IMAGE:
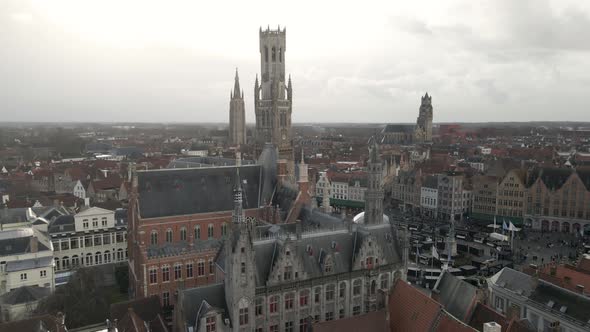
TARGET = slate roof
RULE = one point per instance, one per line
(553, 177)
(430, 181)
(146, 308)
(577, 306)
(192, 162)
(62, 224)
(197, 301)
(35, 324)
(27, 264)
(18, 241)
(513, 280)
(24, 294)
(196, 190)
(456, 295)
(396, 128)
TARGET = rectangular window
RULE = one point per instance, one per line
(23, 276)
(211, 266)
(303, 298)
(258, 308)
(210, 324)
(288, 272)
(341, 314)
(316, 295)
(166, 298)
(189, 270)
(272, 307)
(153, 276)
(302, 325)
(289, 299)
(243, 316)
(104, 221)
(288, 326)
(165, 274)
(201, 268)
(177, 272)
(273, 328)
(197, 232)
(210, 231)
(43, 273)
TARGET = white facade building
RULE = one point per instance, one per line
(92, 237)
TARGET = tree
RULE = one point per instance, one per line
(82, 300)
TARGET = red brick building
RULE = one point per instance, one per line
(177, 218)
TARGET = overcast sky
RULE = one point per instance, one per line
(357, 61)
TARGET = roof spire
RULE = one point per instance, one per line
(237, 85)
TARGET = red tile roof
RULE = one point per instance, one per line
(410, 309)
(483, 314)
(448, 323)
(372, 321)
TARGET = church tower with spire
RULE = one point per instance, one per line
(374, 193)
(239, 265)
(273, 96)
(237, 115)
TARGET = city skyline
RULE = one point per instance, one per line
(63, 63)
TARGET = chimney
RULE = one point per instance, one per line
(580, 289)
(87, 201)
(34, 244)
(492, 327)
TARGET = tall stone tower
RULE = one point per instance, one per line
(237, 115)
(239, 266)
(374, 193)
(273, 97)
(425, 115)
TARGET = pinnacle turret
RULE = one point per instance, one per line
(237, 89)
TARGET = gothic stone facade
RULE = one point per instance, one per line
(285, 283)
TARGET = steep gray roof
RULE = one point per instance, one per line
(340, 245)
(455, 295)
(196, 190)
(513, 280)
(18, 241)
(24, 294)
(197, 301)
(574, 305)
(62, 224)
(396, 128)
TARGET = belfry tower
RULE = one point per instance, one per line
(374, 193)
(424, 122)
(273, 97)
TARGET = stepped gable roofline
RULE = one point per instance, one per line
(185, 191)
(553, 177)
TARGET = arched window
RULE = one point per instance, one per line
(342, 290)
(373, 287)
(120, 254)
(88, 259)
(153, 275)
(98, 258)
(57, 265)
(328, 266)
(154, 238)
(75, 261)
(197, 232)
(65, 262)
(274, 54)
(169, 235)
(224, 229)
(183, 234)
(265, 54)
(107, 256)
(210, 231)
(280, 54)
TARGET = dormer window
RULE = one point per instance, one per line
(288, 272)
(328, 266)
